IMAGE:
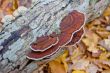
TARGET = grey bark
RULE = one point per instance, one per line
(44, 16)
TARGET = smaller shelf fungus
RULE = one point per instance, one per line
(71, 28)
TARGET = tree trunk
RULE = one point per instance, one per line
(44, 16)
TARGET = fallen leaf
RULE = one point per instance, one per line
(92, 68)
(80, 64)
(106, 71)
(105, 43)
(104, 56)
(77, 52)
(56, 67)
(9, 6)
(107, 11)
(103, 33)
(91, 41)
(78, 71)
(63, 58)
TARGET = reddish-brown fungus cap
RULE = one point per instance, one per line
(43, 43)
(72, 22)
(76, 37)
(41, 39)
(71, 33)
(63, 40)
(41, 55)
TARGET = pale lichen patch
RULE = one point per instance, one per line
(11, 54)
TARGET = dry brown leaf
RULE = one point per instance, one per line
(108, 28)
(102, 64)
(92, 68)
(76, 53)
(96, 55)
(80, 64)
(106, 62)
(105, 43)
(91, 40)
(103, 34)
(106, 71)
(8, 6)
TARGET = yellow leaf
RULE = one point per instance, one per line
(62, 59)
(101, 48)
(78, 71)
(15, 4)
(103, 56)
(8, 6)
(56, 67)
(107, 11)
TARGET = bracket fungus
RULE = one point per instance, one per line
(51, 50)
(72, 22)
(71, 32)
(76, 37)
(44, 43)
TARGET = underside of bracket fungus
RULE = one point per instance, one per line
(71, 32)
